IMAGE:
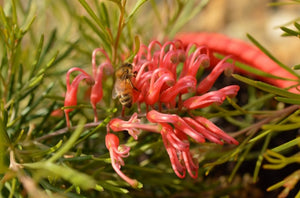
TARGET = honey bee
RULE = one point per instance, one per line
(123, 88)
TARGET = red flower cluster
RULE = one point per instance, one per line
(161, 82)
(165, 77)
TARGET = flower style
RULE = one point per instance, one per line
(177, 145)
(117, 153)
(198, 128)
(95, 81)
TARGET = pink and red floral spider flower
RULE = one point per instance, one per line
(161, 83)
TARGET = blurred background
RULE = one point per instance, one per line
(256, 17)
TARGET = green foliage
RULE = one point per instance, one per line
(41, 157)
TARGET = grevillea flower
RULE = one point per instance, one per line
(117, 153)
(95, 80)
(161, 82)
(166, 79)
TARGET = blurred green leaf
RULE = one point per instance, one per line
(266, 87)
(73, 176)
(288, 100)
(190, 10)
(4, 144)
(70, 143)
(297, 25)
(138, 4)
(287, 145)
(255, 42)
(94, 16)
(296, 67)
(251, 69)
(284, 127)
(289, 31)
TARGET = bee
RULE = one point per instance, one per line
(123, 88)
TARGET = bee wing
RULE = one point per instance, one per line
(115, 92)
(118, 88)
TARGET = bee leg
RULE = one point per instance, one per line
(134, 74)
(123, 111)
(133, 85)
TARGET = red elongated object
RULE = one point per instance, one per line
(242, 52)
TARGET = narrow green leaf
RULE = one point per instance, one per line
(277, 185)
(14, 12)
(73, 176)
(3, 18)
(266, 132)
(104, 14)
(288, 100)
(48, 65)
(252, 70)
(285, 34)
(92, 14)
(99, 188)
(37, 56)
(136, 48)
(278, 127)
(5, 141)
(266, 87)
(255, 42)
(261, 157)
(105, 40)
(64, 54)
(4, 144)
(101, 124)
(70, 143)
(27, 24)
(189, 12)
(297, 25)
(296, 67)
(110, 187)
(50, 42)
(35, 81)
(289, 31)
(135, 9)
(20, 77)
(287, 145)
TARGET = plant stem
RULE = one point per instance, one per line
(120, 28)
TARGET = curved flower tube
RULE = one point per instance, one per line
(156, 83)
(71, 93)
(197, 128)
(97, 91)
(208, 82)
(178, 122)
(133, 126)
(117, 153)
(183, 85)
(177, 145)
(194, 61)
(215, 130)
(95, 80)
(209, 98)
